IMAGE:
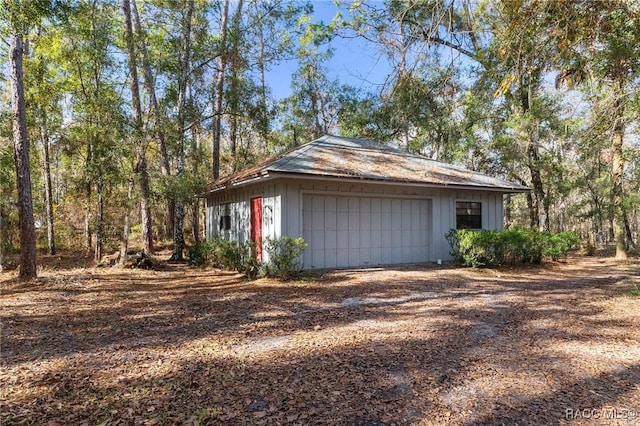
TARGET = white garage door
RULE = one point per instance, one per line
(362, 231)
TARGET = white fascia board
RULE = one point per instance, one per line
(504, 190)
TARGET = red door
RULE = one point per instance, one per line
(256, 225)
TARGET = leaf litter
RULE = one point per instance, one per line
(406, 345)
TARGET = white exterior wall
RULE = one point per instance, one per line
(239, 202)
(284, 214)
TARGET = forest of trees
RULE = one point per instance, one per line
(117, 113)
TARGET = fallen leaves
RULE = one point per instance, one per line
(410, 346)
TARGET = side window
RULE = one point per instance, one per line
(468, 215)
(225, 217)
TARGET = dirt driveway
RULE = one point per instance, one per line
(557, 344)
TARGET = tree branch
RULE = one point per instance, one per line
(439, 40)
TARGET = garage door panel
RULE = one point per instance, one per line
(365, 221)
(331, 221)
(343, 239)
(396, 221)
(343, 221)
(405, 223)
(365, 256)
(306, 203)
(318, 240)
(385, 205)
(331, 240)
(417, 240)
(396, 255)
(318, 257)
(396, 239)
(386, 238)
(354, 238)
(365, 239)
(417, 220)
(342, 204)
(386, 221)
(376, 256)
(376, 238)
(330, 204)
(354, 220)
(317, 220)
(376, 221)
(330, 259)
(345, 231)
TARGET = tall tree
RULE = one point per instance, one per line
(185, 69)
(44, 94)
(236, 65)
(94, 135)
(139, 138)
(600, 39)
(219, 91)
(154, 110)
(21, 151)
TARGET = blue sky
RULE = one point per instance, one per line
(355, 61)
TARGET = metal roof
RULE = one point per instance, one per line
(359, 159)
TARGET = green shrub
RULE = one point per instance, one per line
(559, 244)
(200, 253)
(475, 248)
(284, 256)
(482, 248)
(226, 254)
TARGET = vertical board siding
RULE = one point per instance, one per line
(362, 230)
(353, 223)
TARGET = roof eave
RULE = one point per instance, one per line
(232, 184)
(265, 175)
(503, 189)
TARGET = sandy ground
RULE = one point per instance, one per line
(553, 344)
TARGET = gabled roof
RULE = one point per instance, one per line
(359, 159)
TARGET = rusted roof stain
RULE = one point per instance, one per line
(350, 158)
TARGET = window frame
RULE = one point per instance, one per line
(470, 222)
(225, 218)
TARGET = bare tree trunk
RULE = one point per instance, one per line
(538, 188)
(217, 107)
(531, 207)
(617, 171)
(2, 237)
(195, 220)
(46, 162)
(533, 156)
(99, 220)
(87, 221)
(616, 175)
(507, 211)
(627, 227)
(149, 83)
(234, 101)
(145, 210)
(21, 156)
(178, 228)
(87, 214)
(264, 119)
(48, 191)
(126, 229)
(235, 65)
(195, 159)
(139, 139)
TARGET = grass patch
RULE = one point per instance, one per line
(634, 291)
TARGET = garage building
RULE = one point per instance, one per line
(356, 203)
